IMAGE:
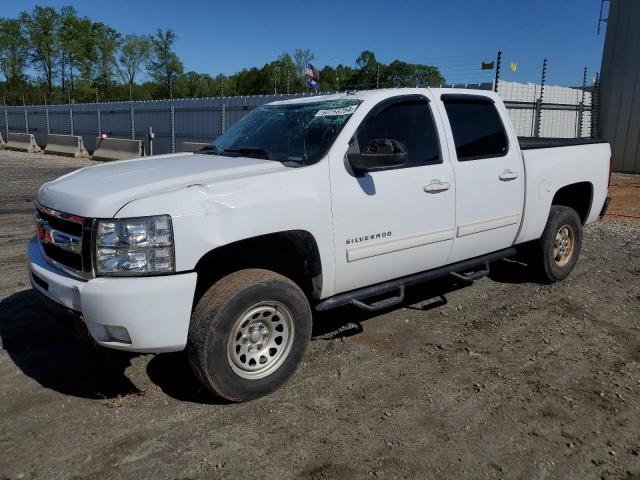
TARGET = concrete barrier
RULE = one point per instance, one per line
(68, 145)
(193, 146)
(22, 142)
(117, 149)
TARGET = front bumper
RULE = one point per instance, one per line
(153, 311)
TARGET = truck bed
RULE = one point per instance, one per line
(530, 143)
(581, 162)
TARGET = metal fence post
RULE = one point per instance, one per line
(595, 107)
(498, 65)
(70, 115)
(541, 99)
(6, 118)
(132, 122)
(580, 124)
(26, 116)
(46, 115)
(98, 114)
(172, 116)
(151, 136)
(223, 118)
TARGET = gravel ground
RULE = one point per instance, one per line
(503, 379)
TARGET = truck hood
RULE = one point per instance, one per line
(99, 191)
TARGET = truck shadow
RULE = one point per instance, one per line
(347, 321)
(172, 373)
(59, 361)
(55, 359)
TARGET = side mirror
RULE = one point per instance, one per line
(379, 154)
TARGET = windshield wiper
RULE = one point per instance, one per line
(249, 152)
(210, 150)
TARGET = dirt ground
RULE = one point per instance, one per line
(503, 379)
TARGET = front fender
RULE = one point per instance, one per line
(206, 217)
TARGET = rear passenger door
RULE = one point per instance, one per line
(489, 174)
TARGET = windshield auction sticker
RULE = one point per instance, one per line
(334, 112)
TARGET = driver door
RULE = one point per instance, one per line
(401, 220)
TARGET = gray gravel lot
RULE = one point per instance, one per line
(503, 379)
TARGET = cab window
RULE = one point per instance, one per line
(477, 128)
(409, 122)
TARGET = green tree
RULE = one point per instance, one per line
(287, 72)
(42, 30)
(301, 57)
(368, 66)
(164, 64)
(77, 42)
(106, 44)
(187, 84)
(403, 74)
(133, 55)
(14, 53)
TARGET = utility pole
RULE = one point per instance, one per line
(377, 76)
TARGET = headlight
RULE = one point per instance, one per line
(134, 246)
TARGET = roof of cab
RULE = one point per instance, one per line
(366, 94)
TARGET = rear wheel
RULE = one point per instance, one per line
(559, 247)
(248, 334)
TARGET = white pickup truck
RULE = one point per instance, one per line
(306, 204)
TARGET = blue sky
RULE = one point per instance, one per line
(224, 37)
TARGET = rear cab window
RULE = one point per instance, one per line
(478, 131)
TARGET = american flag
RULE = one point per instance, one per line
(312, 72)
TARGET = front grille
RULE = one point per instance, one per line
(61, 224)
(65, 240)
(63, 257)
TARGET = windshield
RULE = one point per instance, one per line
(294, 133)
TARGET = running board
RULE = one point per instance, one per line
(471, 277)
(358, 297)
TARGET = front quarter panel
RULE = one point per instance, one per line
(209, 216)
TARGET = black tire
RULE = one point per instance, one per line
(551, 263)
(217, 335)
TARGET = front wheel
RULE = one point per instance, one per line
(559, 247)
(248, 334)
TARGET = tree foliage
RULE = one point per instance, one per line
(64, 57)
(42, 29)
(14, 51)
(165, 64)
(134, 53)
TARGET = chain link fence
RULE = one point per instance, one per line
(536, 110)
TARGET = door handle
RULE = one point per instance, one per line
(508, 175)
(436, 186)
